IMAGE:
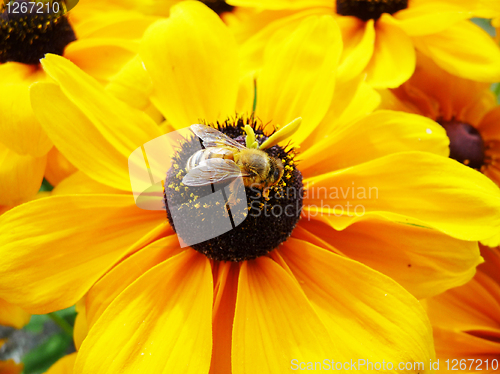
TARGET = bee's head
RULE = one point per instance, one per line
(276, 171)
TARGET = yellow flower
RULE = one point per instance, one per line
(380, 36)
(466, 109)
(162, 7)
(97, 39)
(10, 367)
(466, 321)
(152, 306)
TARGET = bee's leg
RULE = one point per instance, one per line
(265, 192)
(232, 197)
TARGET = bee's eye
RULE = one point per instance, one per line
(276, 174)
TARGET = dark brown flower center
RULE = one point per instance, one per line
(369, 9)
(28, 32)
(466, 143)
(492, 336)
(218, 6)
(263, 222)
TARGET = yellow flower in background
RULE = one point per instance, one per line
(153, 306)
(97, 39)
(466, 321)
(10, 367)
(162, 7)
(466, 109)
(380, 36)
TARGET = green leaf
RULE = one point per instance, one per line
(46, 354)
(55, 346)
(46, 186)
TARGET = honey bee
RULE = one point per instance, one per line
(224, 159)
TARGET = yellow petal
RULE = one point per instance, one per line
(359, 40)
(282, 134)
(76, 137)
(424, 261)
(106, 23)
(351, 101)
(102, 294)
(465, 50)
(476, 303)
(472, 307)
(488, 9)
(461, 346)
(436, 94)
(363, 101)
(87, 124)
(90, 233)
(246, 94)
(11, 315)
(132, 84)
(428, 17)
(19, 128)
(378, 134)
(107, 113)
(159, 324)
(102, 58)
(492, 241)
(465, 319)
(80, 183)
(63, 365)
(58, 167)
(266, 26)
(192, 60)
(410, 188)
(393, 61)
(281, 4)
(21, 176)
(225, 290)
(274, 322)
(298, 78)
(80, 329)
(368, 315)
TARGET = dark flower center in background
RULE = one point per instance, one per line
(466, 143)
(369, 9)
(218, 6)
(27, 36)
(268, 222)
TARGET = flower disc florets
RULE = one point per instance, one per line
(26, 36)
(369, 9)
(218, 6)
(466, 143)
(267, 221)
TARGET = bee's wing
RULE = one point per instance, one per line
(214, 138)
(212, 171)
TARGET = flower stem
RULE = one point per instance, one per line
(61, 322)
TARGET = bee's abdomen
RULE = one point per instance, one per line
(207, 153)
